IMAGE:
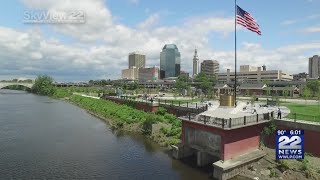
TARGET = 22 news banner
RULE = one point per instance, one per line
(289, 144)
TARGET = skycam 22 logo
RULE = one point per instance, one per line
(290, 144)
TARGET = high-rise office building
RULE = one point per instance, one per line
(210, 67)
(195, 63)
(314, 67)
(169, 61)
(137, 60)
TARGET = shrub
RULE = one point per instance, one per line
(161, 111)
(283, 165)
(147, 124)
(164, 130)
(43, 85)
(123, 114)
(273, 173)
(304, 165)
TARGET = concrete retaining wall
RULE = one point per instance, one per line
(228, 174)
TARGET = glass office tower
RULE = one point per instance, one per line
(169, 61)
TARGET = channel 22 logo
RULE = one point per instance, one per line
(289, 144)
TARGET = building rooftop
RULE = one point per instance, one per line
(136, 52)
(169, 46)
(252, 86)
(213, 61)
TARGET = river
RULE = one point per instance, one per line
(43, 138)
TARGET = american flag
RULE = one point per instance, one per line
(245, 19)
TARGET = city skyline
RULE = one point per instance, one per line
(98, 48)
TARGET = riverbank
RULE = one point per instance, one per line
(266, 168)
(270, 168)
(161, 127)
(165, 129)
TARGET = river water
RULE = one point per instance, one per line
(43, 138)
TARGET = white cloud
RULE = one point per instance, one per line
(315, 29)
(251, 46)
(295, 56)
(299, 20)
(299, 48)
(149, 22)
(288, 22)
(30, 53)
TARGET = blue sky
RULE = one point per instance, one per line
(114, 28)
(270, 14)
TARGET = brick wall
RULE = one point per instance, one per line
(233, 142)
(240, 141)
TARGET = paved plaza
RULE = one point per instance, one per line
(243, 109)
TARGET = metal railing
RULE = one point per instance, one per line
(181, 103)
(297, 116)
(225, 123)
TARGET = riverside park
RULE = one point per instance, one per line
(225, 141)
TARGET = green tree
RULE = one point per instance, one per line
(201, 77)
(313, 86)
(212, 79)
(104, 82)
(206, 83)
(206, 86)
(182, 83)
(125, 86)
(135, 85)
(43, 86)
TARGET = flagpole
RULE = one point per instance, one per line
(235, 53)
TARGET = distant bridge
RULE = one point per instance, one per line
(6, 84)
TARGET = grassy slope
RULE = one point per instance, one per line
(128, 118)
(305, 112)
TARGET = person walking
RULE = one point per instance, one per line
(279, 113)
